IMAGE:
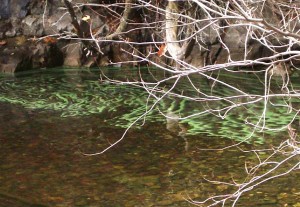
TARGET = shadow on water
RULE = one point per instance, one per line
(48, 119)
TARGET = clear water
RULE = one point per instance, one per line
(49, 119)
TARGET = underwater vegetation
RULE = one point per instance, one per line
(73, 93)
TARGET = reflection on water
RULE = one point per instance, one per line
(159, 164)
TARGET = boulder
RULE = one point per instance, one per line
(46, 55)
(73, 55)
(15, 60)
(5, 26)
(20, 54)
(5, 9)
(53, 56)
(33, 26)
(19, 8)
(14, 8)
(57, 23)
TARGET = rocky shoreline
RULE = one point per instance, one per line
(39, 34)
(30, 36)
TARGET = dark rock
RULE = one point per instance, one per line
(33, 26)
(38, 7)
(236, 37)
(5, 9)
(46, 55)
(13, 8)
(196, 62)
(121, 55)
(16, 29)
(57, 23)
(10, 28)
(38, 52)
(90, 62)
(98, 26)
(4, 27)
(53, 56)
(19, 8)
(103, 61)
(19, 54)
(15, 59)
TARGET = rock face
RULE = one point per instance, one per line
(24, 22)
(46, 55)
(4, 9)
(73, 55)
(14, 8)
(15, 60)
(39, 34)
(19, 54)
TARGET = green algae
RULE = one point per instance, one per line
(73, 93)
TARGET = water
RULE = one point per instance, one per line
(49, 120)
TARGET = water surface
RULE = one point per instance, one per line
(48, 120)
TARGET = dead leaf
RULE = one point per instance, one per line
(162, 50)
(50, 40)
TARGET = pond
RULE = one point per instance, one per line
(51, 120)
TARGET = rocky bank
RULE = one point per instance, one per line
(39, 34)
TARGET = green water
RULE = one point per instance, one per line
(49, 119)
